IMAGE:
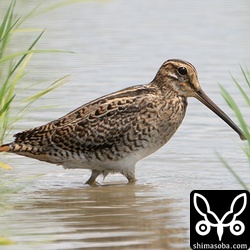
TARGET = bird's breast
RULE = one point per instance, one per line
(153, 127)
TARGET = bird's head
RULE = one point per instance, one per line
(180, 78)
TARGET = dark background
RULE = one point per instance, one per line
(220, 202)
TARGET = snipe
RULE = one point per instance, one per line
(112, 133)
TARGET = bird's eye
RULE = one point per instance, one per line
(182, 71)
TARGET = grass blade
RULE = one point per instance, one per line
(243, 93)
(5, 166)
(237, 177)
(21, 53)
(6, 105)
(243, 124)
(246, 76)
(232, 104)
(29, 49)
(54, 85)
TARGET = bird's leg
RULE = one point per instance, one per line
(92, 180)
(131, 177)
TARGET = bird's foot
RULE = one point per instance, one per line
(131, 178)
(92, 180)
(93, 183)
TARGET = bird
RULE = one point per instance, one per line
(112, 133)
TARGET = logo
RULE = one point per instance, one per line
(219, 219)
(203, 227)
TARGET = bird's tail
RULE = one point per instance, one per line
(4, 148)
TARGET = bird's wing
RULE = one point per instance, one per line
(95, 125)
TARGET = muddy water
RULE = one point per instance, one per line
(112, 216)
(117, 45)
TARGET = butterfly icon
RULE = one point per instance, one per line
(203, 227)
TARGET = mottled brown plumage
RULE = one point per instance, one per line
(112, 133)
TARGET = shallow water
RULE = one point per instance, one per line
(117, 45)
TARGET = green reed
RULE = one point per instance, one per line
(12, 69)
(13, 66)
(244, 91)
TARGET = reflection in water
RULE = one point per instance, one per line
(124, 216)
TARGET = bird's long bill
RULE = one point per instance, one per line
(202, 97)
